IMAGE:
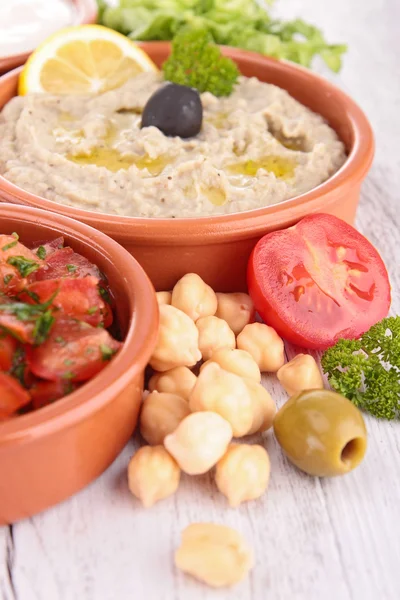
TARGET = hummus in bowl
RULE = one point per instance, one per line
(256, 148)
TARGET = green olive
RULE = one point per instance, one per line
(321, 432)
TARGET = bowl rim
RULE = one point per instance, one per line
(193, 229)
(86, 13)
(132, 358)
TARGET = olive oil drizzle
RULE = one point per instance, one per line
(281, 167)
(215, 195)
(113, 160)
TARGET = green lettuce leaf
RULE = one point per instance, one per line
(239, 23)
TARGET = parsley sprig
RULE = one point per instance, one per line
(367, 371)
(25, 266)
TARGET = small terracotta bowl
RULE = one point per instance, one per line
(86, 13)
(218, 248)
(49, 454)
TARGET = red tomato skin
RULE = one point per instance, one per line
(77, 298)
(22, 330)
(12, 396)
(8, 345)
(276, 250)
(61, 264)
(44, 393)
(16, 283)
(72, 352)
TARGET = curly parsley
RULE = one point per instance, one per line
(367, 371)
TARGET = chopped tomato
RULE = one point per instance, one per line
(318, 281)
(54, 309)
(78, 298)
(12, 396)
(45, 249)
(74, 351)
(11, 321)
(8, 345)
(66, 263)
(17, 263)
(45, 392)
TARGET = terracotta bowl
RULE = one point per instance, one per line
(217, 248)
(86, 12)
(51, 453)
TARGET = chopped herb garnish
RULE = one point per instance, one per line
(68, 375)
(89, 350)
(105, 294)
(43, 327)
(27, 312)
(32, 295)
(11, 244)
(92, 310)
(106, 352)
(69, 388)
(60, 340)
(39, 314)
(100, 325)
(68, 362)
(41, 252)
(7, 278)
(18, 367)
(25, 266)
(22, 310)
(71, 268)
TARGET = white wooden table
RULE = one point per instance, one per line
(314, 539)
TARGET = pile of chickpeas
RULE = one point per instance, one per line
(206, 390)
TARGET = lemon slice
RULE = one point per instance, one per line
(83, 59)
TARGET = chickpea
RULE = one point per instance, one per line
(164, 297)
(179, 380)
(243, 473)
(199, 441)
(194, 297)
(214, 334)
(152, 475)
(264, 408)
(300, 373)
(214, 554)
(226, 394)
(236, 309)
(264, 345)
(239, 362)
(161, 415)
(178, 341)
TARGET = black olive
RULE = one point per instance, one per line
(176, 110)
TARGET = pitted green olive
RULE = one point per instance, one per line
(321, 432)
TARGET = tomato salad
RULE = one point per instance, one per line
(55, 309)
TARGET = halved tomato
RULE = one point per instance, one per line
(8, 345)
(78, 298)
(46, 392)
(17, 263)
(12, 396)
(66, 263)
(74, 351)
(318, 281)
